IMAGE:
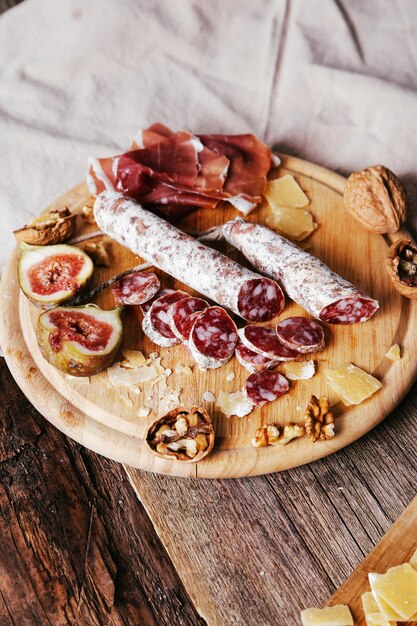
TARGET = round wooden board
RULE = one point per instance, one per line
(100, 418)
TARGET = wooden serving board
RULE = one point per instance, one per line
(99, 417)
(396, 547)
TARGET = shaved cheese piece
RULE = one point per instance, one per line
(299, 370)
(398, 588)
(84, 380)
(144, 411)
(231, 376)
(133, 358)
(126, 377)
(413, 560)
(373, 616)
(352, 384)
(285, 191)
(394, 353)
(338, 615)
(234, 404)
(292, 223)
(209, 397)
(385, 609)
(184, 369)
(169, 401)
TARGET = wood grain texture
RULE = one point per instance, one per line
(396, 547)
(75, 541)
(88, 412)
(286, 541)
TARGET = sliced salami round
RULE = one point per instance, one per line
(302, 334)
(179, 312)
(155, 324)
(260, 300)
(147, 305)
(136, 288)
(265, 386)
(348, 310)
(252, 361)
(188, 324)
(263, 340)
(213, 338)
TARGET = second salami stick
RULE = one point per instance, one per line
(250, 295)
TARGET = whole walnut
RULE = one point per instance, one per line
(376, 198)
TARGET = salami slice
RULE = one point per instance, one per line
(136, 288)
(179, 312)
(213, 338)
(252, 361)
(147, 305)
(204, 269)
(265, 386)
(155, 324)
(307, 280)
(302, 334)
(188, 324)
(263, 340)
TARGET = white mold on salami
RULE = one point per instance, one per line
(307, 280)
(264, 341)
(265, 386)
(213, 338)
(300, 333)
(206, 270)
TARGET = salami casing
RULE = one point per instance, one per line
(180, 311)
(263, 340)
(302, 334)
(155, 324)
(252, 361)
(307, 280)
(136, 288)
(265, 386)
(213, 274)
(213, 338)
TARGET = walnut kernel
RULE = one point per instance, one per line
(319, 420)
(272, 435)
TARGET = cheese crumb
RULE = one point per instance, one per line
(209, 397)
(230, 376)
(299, 370)
(183, 369)
(234, 404)
(394, 353)
(144, 411)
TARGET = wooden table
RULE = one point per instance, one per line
(86, 541)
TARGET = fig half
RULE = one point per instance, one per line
(52, 275)
(82, 340)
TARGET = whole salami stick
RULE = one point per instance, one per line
(305, 279)
(250, 295)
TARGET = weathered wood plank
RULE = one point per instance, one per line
(76, 542)
(259, 550)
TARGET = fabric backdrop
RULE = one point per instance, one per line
(333, 81)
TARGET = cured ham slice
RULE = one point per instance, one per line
(175, 172)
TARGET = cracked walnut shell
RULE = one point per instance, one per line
(48, 229)
(376, 198)
(319, 420)
(181, 435)
(272, 435)
(402, 267)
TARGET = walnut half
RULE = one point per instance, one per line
(319, 420)
(182, 435)
(272, 435)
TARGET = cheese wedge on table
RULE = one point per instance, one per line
(389, 612)
(398, 588)
(338, 615)
(373, 616)
(292, 223)
(285, 192)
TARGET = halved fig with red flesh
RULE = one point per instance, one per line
(52, 275)
(80, 341)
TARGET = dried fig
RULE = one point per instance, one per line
(47, 229)
(52, 275)
(80, 341)
(186, 436)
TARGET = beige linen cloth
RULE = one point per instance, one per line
(333, 81)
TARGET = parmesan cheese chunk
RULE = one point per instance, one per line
(299, 370)
(352, 384)
(398, 588)
(394, 353)
(234, 404)
(285, 191)
(413, 560)
(338, 615)
(292, 223)
(373, 616)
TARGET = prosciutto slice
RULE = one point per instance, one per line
(175, 172)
